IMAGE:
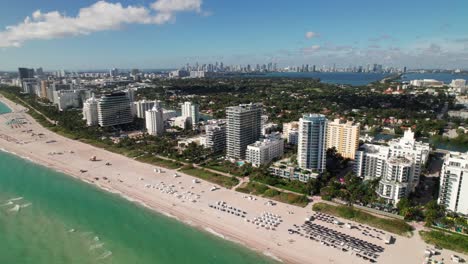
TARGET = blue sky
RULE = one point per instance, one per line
(170, 33)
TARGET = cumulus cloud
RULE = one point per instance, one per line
(310, 35)
(171, 6)
(99, 16)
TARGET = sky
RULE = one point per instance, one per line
(155, 34)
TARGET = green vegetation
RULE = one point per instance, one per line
(259, 189)
(159, 162)
(395, 226)
(451, 241)
(225, 181)
(229, 167)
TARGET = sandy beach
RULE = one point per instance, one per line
(189, 200)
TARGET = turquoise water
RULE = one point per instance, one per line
(63, 220)
(4, 109)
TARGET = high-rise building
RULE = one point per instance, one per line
(396, 181)
(243, 128)
(25, 73)
(265, 150)
(39, 72)
(30, 86)
(142, 106)
(215, 137)
(66, 99)
(344, 136)
(130, 94)
(90, 111)
(114, 109)
(374, 161)
(44, 86)
(453, 192)
(311, 150)
(192, 111)
(154, 121)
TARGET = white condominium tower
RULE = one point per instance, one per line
(191, 110)
(154, 121)
(311, 149)
(453, 193)
(344, 136)
(142, 106)
(375, 161)
(90, 111)
(243, 128)
(114, 109)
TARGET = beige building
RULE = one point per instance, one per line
(344, 136)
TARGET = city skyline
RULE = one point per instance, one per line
(167, 34)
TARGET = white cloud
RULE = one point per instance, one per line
(100, 16)
(310, 35)
(171, 6)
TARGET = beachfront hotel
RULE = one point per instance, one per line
(344, 136)
(311, 150)
(398, 165)
(154, 121)
(265, 150)
(243, 128)
(453, 192)
(114, 109)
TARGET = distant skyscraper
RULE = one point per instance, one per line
(243, 128)
(114, 109)
(25, 73)
(191, 110)
(114, 72)
(154, 121)
(311, 152)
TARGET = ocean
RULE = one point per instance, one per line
(4, 109)
(50, 218)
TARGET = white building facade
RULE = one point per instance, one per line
(375, 161)
(90, 112)
(142, 106)
(191, 111)
(264, 151)
(453, 192)
(154, 121)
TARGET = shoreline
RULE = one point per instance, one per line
(125, 178)
(199, 226)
